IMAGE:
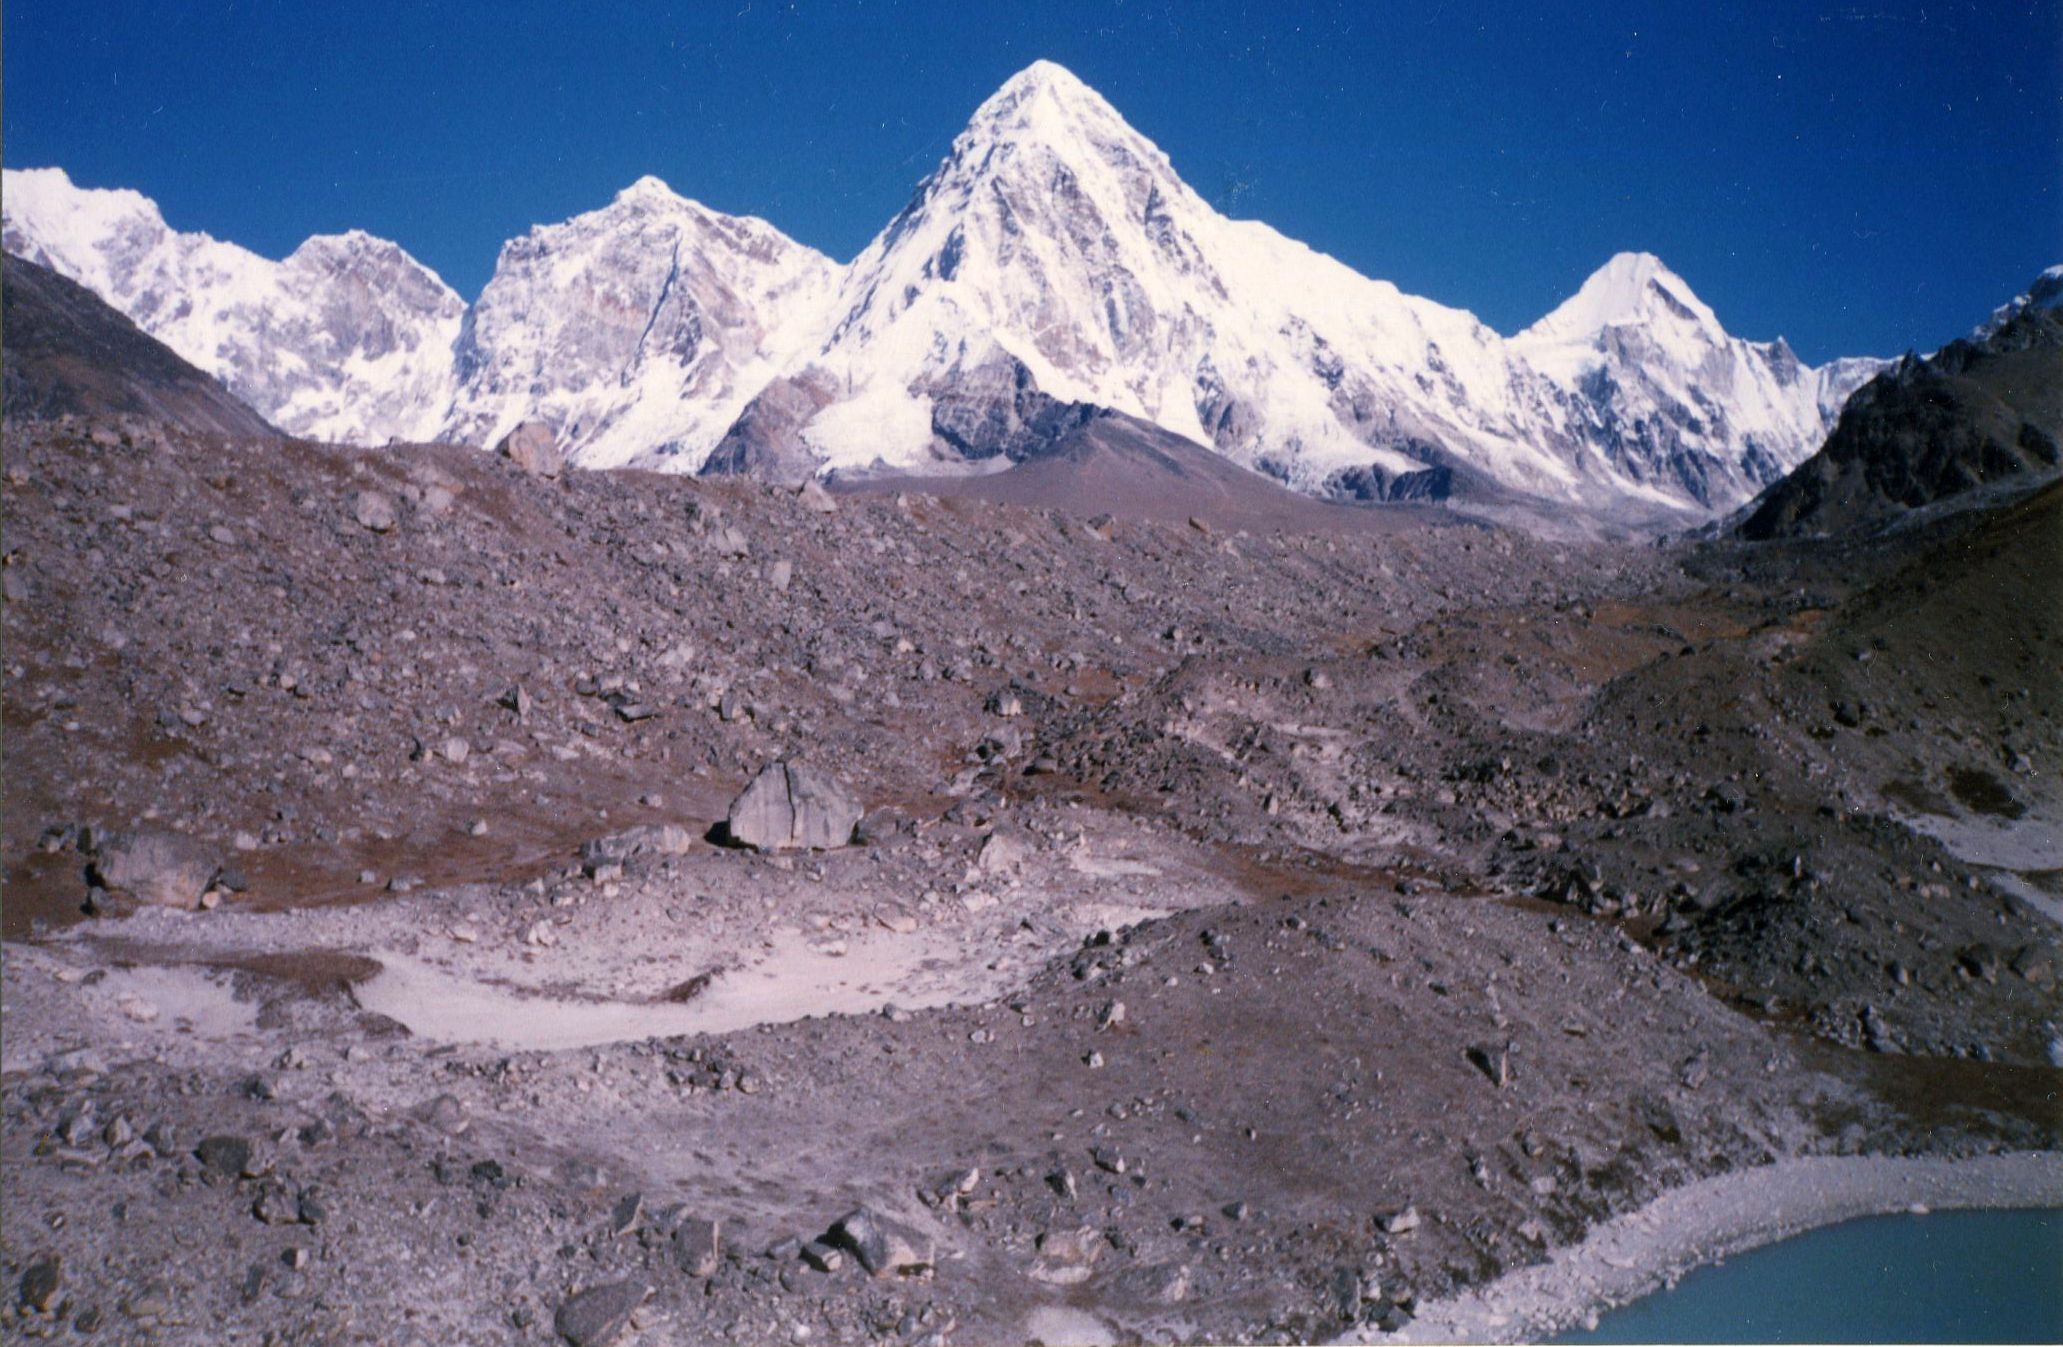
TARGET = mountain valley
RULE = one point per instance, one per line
(1266, 919)
(1090, 776)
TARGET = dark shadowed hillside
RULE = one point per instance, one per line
(68, 354)
(1977, 413)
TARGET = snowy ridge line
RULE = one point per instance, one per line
(1054, 255)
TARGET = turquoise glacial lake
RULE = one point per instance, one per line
(1953, 1276)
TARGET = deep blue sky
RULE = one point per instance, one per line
(1861, 176)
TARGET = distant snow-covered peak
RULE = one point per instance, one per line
(1054, 262)
(1058, 242)
(80, 232)
(1631, 289)
(348, 339)
(2045, 293)
(649, 188)
(636, 331)
(1045, 101)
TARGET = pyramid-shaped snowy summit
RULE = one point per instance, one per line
(1054, 259)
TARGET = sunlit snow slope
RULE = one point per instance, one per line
(1054, 263)
(348, 339)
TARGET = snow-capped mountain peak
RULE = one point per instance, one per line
(1667, 398)
(71, 225)
(1044, 102)
(637, 331)
(1054, 263)
(1631, 289)
(2045, 293)
(349, 338)
(649, 188)
(1055, 256)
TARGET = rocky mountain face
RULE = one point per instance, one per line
(349, 339)
(1055, 254)
(1984, 411)
(2045, 293)
(69, 354)
(638, 331)
(1054, 264)
(1652, 383)
(1056, 260)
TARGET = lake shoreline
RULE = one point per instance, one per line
(1637, 1254)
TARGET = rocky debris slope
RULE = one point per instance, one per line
(69, 353)
(346, 659)
(1172, 1133)
(1985, 412)
(1252, 931)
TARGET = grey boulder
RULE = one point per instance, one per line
(374, 510)
(532, 447)
(881, 1246)
(154, 866)
(698, 1247)
(648, 839)
(597, 1316)
(791, 806)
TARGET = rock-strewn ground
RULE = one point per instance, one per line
(1246, 937)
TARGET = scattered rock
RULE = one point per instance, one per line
(1001, 852)
(532, 447)
(730, 543)
(697, 1247)
(1163, 1284)
(647, 839)
(41, 1283)
(1493, 1061)
(228, 1156)
(792, 806)
(881, 1247)
(374, 510)
(597, 1316)
(155, 866)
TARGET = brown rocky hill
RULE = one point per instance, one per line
(1980, 412)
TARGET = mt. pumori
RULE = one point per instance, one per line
(1054, 261)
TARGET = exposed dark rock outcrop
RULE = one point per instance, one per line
(766, 440)
(1372, 482)
(997, 408)
(1980, 412)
